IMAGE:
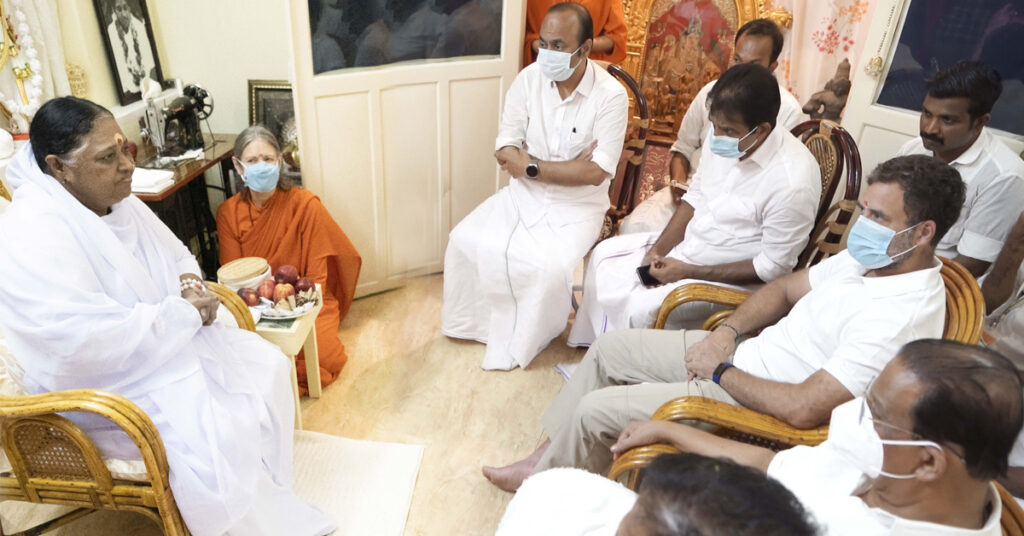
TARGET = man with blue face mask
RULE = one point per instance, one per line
(744, 221)
(509, 263)
(825, 332)
(916, 454)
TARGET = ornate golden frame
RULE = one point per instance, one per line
(638, 15)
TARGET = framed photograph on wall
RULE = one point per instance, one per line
(270, 105)
(127, 35)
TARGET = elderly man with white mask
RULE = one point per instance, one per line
(97, 293)
(508, 267)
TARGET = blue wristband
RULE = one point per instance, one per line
(716, 376)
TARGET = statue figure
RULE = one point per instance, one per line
(829, 103)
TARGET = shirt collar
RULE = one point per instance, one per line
(908, 527)
(771, 146)
(974, 151)
(895, 285)
(586, 84)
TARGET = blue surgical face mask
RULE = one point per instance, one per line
(261, 177)
(725, 146)
(556, 65)
(869, 241)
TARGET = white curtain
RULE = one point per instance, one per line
(45, 37)
(824, 32)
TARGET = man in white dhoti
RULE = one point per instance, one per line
(508, 267)
(758, 41)
(744, 221)
(98, 293)
(825, 332)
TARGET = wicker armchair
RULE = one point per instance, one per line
(965, 311)
(54, 462)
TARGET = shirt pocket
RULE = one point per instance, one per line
(740, 218)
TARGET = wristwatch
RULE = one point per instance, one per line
(716, 376)
(533, 169)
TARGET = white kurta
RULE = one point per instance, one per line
(508, 266)
(653, 214)
(761, 208)
(90, 302)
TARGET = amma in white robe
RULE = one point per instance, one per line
(90, 302)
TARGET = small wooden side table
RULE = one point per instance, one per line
(299, 335)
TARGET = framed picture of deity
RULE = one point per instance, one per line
(271, 105)
(127, 35)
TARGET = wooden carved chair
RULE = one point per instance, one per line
(836, 152)
(625, 185)
(52, 461)
(965, 311)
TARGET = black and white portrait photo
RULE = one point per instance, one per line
(128, 36)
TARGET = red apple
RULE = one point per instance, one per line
(249, 296)
(266, 289)
(304, 284)
(286, 274)
(282, 291)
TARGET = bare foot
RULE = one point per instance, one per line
(510, 477)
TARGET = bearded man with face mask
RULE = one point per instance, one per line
(743, 222)
(916, 454)
(825, 333)
(508, 266)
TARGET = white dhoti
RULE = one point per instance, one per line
(650, 216)
(614, 298)
(508, 275)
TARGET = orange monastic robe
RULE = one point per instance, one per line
(293, 227)
(609, 20)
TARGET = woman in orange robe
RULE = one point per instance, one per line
(609, 28)
(289, 225)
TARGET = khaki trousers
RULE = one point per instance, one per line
(625, 376)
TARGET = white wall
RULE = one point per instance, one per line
(219, 44)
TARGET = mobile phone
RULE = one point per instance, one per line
(644, 272)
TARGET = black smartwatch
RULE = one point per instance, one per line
(716, 376)
(533, 169)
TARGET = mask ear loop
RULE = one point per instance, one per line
(906, 253)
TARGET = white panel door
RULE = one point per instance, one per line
(880, 130)
(400, 153)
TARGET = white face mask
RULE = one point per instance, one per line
(556, 65)
(851, 432)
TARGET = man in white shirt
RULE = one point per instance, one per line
(916, 455)
(953, 118)
(744, 221)
(826, 332)
(758, 41)
(680, 494)
(1004, 297)
(508, 267)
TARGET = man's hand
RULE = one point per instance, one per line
(588, 154)
(513, 160)
(677, 193)
(641, 433)
(669, 270)
(704, 357)
(206, 304)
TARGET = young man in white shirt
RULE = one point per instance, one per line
(1004, 298)
(508, 266)
(758, 41)
(744, 221)
(826, 332)
(916, 455)
(953, 118)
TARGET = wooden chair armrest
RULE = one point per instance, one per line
(118, 409)
(635, 459)
(738, 420)
(235, 305)
(692, 292)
